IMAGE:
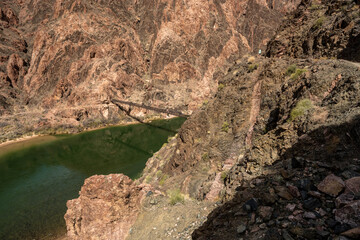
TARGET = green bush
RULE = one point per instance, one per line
(319, 22)
(224, 174)
(314, 7)
(163, 179)
(252, 67)
(158, 173)
(225, 127)
(175, 196)
(290, 70)
(148, 178)
(220, 86)
(297, 73)
(205, 156)
(300, 109)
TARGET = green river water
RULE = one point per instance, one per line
(36, 182)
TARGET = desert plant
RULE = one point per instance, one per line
(205, 156)
(290, 70)
(163, 179)
(175, 196)
(220, 86)
(319, 22)
(225, 127)
(300, 109)
(224, 174)
(158, 174)
(148, 178)
(252, 67)
(314, 6)
(297, 73)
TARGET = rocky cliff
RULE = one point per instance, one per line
(63, 61)
(274, 153)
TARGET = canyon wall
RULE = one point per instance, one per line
(274, 153)
(61, 62)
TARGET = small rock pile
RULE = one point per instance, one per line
(302, 203)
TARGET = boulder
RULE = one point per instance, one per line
(349, 214)
(265, 212)
(106, 208)
(352, 233)
(331, 185)
(353, 186)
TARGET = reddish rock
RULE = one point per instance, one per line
(315, 194)
(309, 215)
(290, 207)
(349, 214)
(352, 233)
(331, 185)
(9, 16)
(294, 191)
(265, 212)
(15, 68)
(353, 186)
(283, 192)
(167, 54)
(343, 199)
(106, 208)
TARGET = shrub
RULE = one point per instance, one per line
(297, 73)
(158, 173)
(290, 70)
(175, 196)
(220, 86)
(252, 67)
(300, 109)
(225, 127)
(205, 156)
(224, 174)
(163, 179)
(314, 7)
(319, 22)
(148, 178)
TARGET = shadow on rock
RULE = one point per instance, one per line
(313, 192)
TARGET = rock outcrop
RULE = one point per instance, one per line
(106, 209)
(66, 60)
(278, 141)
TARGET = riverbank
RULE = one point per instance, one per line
(20, 143)
(35, 139)
(36, 182)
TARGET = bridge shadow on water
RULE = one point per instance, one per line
(167, 111)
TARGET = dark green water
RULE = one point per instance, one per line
(36, 182)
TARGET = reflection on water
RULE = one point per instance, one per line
(36, 182)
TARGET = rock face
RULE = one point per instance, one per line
(320, 29)
(106, 209)
(274, 131)
(64, 61)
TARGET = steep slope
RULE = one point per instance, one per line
(277, 146)
(63, 61)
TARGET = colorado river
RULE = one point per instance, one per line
(37, 180)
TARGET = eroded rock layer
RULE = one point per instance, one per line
(106, 209)
(63, 61)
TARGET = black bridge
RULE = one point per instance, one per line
(162, 110)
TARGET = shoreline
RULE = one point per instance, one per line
(13, 144)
